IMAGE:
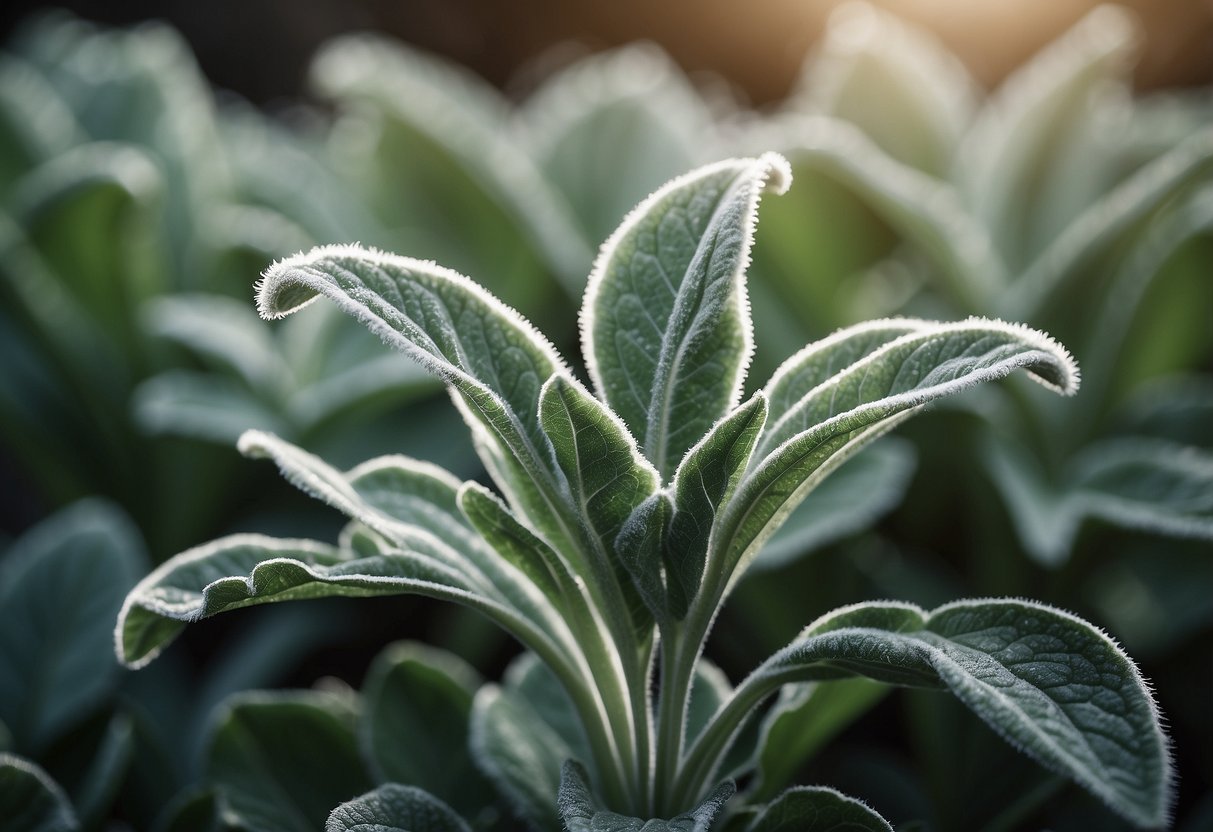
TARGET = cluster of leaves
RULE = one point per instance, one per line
(628, 516)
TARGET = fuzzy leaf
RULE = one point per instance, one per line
(580, 812)
(817, 809)
(493, 360)
(419, 698)
(283, 760)
(395, 808)
(705, 480)
(61, 587)
(666, 324)
(30, 801)
(858, 404)
(1047, 682)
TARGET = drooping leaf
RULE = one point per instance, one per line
(493, 359)
(30, 801)
(395, 808)
(665, 323)
(414, 726)
(856, 405)
(580, 810)
(817, 809)
(1049, 683)
(61, 587)
(283, 760)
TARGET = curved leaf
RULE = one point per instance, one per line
(817, 809)
(1049, 683)
(666, 327)
(580, 811)
(395, 808)
(30, 801)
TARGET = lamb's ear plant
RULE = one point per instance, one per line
(627, 511)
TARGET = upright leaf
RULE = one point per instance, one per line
(665, 324)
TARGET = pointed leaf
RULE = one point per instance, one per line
(863, 401)
(817, 809)
(61, 586)
(581, 813)
(493, 359)
(641, 546)
(30, 801)
(665, 324)
(395, 808)
(283, 760)
(705, 480)
(414, 726)
(1046, 681)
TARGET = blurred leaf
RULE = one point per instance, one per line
(107, 771)
(817, 809)
(30, 801)
(62, 586)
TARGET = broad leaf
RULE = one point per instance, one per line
(580, 811)
(858, 404)
(282, 761)
(1047, 682)
(665, 323)
(61, 586)
(395, 808)
(30, 801)
(817, 809)
(414, 726)
(493, 359)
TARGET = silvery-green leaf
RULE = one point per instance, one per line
(895, 81)
(709, 690)
(1044, 516)
(612, 127)
(30, 801)
(107, 770)
(1179, 408)
(395, 808)
(528, 679)
(925, 212)
(443, 137)
(856, 405)
(1149, 484)
(665, 323)
(493, 359)
(1007, 160)
(516, 748)
(1107, 222)
(860, 491)
(606, 475)
(243, 570)
(414, 725)
(202, 406)
(61, 586)
(802, 720)
(35, 122)
(581, 812)
(283, 760)
(641, 547)
(817, 809)
(704, 481)
(1047, 682)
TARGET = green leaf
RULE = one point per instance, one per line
(613, 126)
(520, 752)
(414, 727)
(864, 488)
(61, 587)
(803, 719)
(861, 402)
(817, 809)
(107, 770)
(30, 801)
(1047, 682)
(202, 406)
(926, 96)
(606, 475)
(393, 807)
(283, 760)
(704, 482)
(665, 323)
(580, 811)
(35, 122)
(493, 359)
